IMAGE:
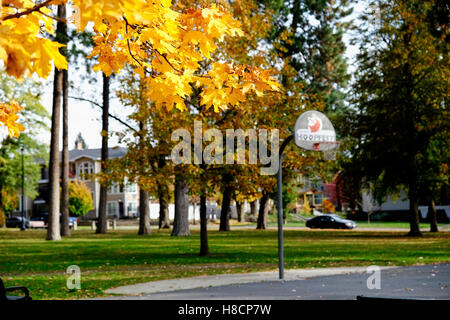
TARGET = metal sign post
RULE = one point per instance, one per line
(280, 207)
(280, 220)
(313, 131)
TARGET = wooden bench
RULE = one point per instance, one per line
(4, 291)
(424, 210)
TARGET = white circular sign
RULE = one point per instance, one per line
(314, 131)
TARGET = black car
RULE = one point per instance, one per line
(16, 222)
(330, 221)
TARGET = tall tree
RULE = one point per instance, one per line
(53, 230)
(144, 206)
(102, 214)
(225, 208)
(163, 195)
(310, 34)
(239, 211)
(398, 133)
(181, 220)
(432, 215)
(204, 247)
(65, 229)
(263, 211)
(144, 212)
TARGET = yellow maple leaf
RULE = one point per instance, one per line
(9, 117)
(48, 51)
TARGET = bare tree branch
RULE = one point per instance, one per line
(109, 114)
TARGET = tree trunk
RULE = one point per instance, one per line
(2, 210)
(414, 216)
(253, 208)
(65, 229)
(239, 211)
(53, 229)
(225, 210)
(263, 212)
(204, 250)
(432, 214)
(144, 213)
(164, 222)
(194, 207)
(102, 217)
(181, 220)
(338, 197)
(144, 207)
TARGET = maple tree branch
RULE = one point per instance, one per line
(128, 43)
(167, 60)
(203, 76)
(226, 114)
(132, 55)
(129, 48)
(29, 10)
(51, 17)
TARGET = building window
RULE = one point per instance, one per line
(115, 188)
(317, 199)
(132, 208)
(44, 173)
(301, 200)
(112, 208)
(84, 169)
(131, 188)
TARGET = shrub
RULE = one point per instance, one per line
(80, 199)
(327, 206)
(9, 202)
(307, 208)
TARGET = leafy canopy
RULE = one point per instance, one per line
(164, 44)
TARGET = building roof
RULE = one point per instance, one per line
(95, 154)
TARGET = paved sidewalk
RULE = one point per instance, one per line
(411, 282)
(230, 279)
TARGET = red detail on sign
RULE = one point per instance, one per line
(314, 124)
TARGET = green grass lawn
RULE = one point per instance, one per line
(121, 257)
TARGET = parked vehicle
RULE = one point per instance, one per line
(16, 222)
(72, 221)
(44, 219)
(330, 221)
(38, 222)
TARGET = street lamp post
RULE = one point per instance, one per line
(23, 228)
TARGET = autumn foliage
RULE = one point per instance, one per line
(327, 206)
(80, 199)
(9, 117)
(164, 44)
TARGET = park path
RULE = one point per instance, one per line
(230, 279)
(410, 282)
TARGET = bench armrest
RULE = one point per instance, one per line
(23, 289)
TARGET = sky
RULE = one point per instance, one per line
(85, 118)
